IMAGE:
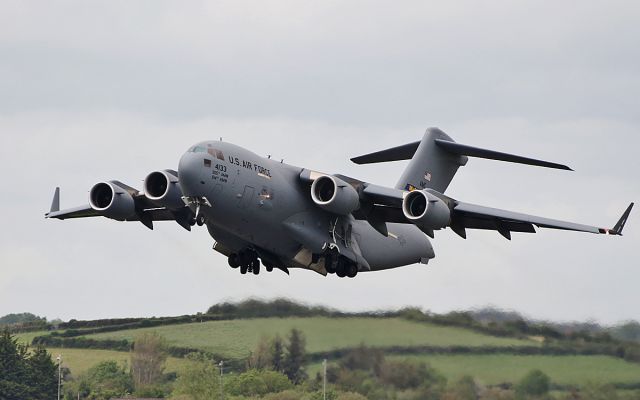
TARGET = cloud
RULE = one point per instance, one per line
(116, 90)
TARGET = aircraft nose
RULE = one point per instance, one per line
(189, 173)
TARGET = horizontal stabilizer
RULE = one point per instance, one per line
(464, 150)
(406, 152)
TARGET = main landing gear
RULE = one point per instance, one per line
(341, 266)
(247, 261)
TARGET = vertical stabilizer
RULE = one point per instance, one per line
(431, 166)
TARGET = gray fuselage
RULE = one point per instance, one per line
(262, 204)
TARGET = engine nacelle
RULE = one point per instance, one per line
(112, 201)
(163, 188)
(425, 210)
(335, 195)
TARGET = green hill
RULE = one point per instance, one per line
(236, 338)
(455, 344)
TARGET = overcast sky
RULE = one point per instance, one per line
(116, 89)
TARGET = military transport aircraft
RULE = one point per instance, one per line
(258, 209)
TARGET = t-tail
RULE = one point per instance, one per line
(436, 159)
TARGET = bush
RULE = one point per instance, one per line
(284, 395)
(464, 389)
(350, 396)
(104, 380)
(535, 383)
(363, 358)
(257, 383)
(407, 375)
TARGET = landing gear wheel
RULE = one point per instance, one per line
(341, 269)
(351, 270)
(200, 220)
(329, 264)
(192, 221)
(233, 261)
(267, 266)
(243, 269)
(255, 267)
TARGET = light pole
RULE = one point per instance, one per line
(324, 379)
(221, 387)
(59, 358)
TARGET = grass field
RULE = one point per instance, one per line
(27, 337)
(566, 370)
(235, 339)
(501, 368)
(80, 360)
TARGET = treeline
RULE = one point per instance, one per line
(78, 328)
(23, 322)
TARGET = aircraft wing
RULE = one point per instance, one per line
(387, 207)
(472, 216)
(146, 212)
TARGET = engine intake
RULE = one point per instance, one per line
(111, 200)
(425, 210)
(163, 188)
(335, 195)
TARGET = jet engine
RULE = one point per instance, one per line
(163, 188)
(426, 211)
(112, 201)
(335, 195)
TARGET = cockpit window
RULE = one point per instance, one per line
(198, 149)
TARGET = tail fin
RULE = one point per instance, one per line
(436, 159)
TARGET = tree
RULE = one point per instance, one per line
(104, 380)
(199, 380)
(13, 370)
(295, 357)
(535, 383)
(23, 318)
(24, 374)
(262, 356)
(408, 375)
(463, 389)
(257, 383)
(277, 354)
(599, 392)
(43, 372)
(364, 358)
(147, 359)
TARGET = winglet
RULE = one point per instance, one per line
(55, 203)
(617, 229)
